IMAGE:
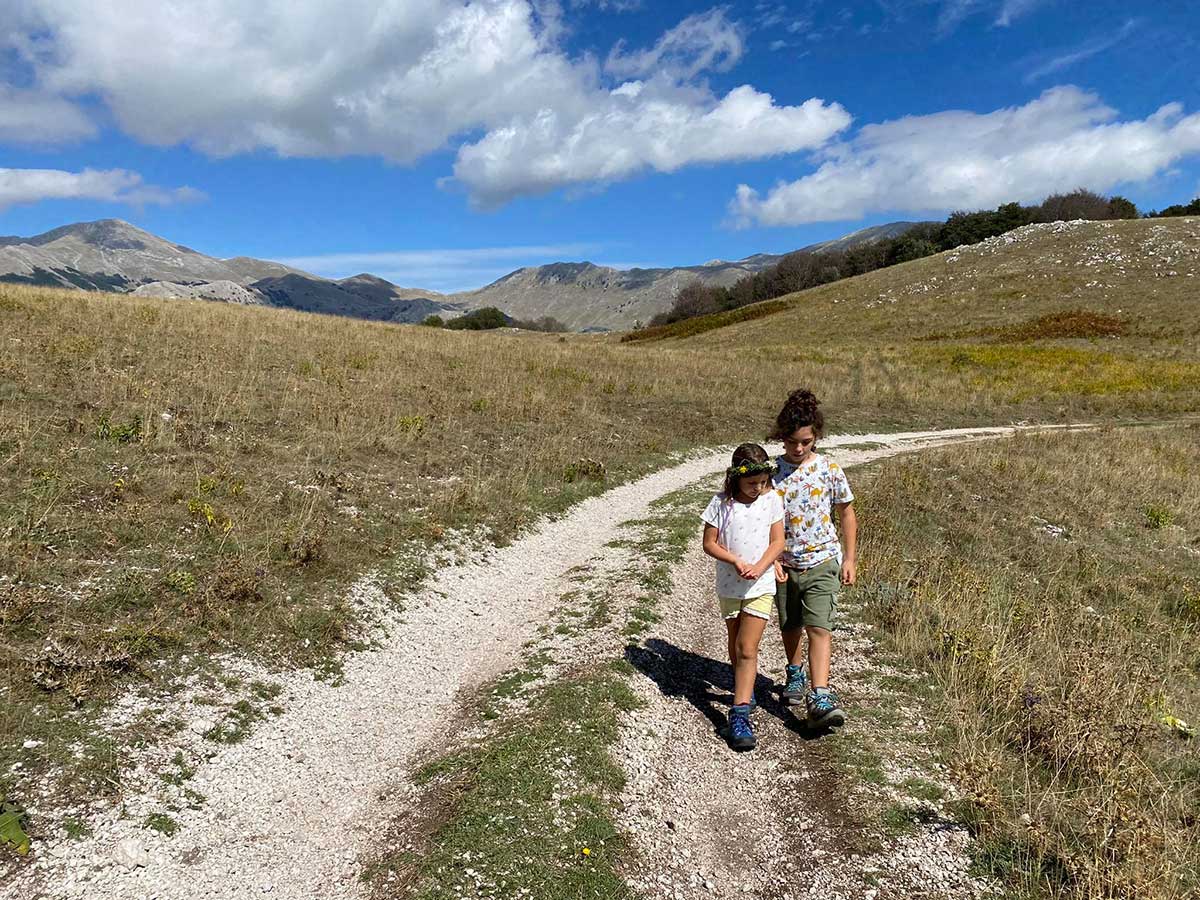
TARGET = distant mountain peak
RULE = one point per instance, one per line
(365, 276)
(112, 234)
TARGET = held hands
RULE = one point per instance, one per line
(746, 570)
(849, 572)
(780, 575)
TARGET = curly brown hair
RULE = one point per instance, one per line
(801, 410)
(745, 453)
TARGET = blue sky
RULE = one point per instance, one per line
(442, 144)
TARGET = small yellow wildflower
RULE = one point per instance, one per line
(587, 851)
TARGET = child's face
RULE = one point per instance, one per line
(751, 487)
(799, 444)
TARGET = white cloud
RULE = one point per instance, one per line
(401, 79)
(698, 43)
(33, 117)
(1084, 51)
(1011, 10)
(954, 12)
(112, 185)
(638, 127)
(608, 5)
(1064, 139)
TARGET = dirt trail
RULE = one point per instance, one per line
(774, 823)
(291, 811)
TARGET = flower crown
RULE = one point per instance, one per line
(751, 468)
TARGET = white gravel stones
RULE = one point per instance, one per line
(130, 853)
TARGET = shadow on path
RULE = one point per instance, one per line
(707, 684)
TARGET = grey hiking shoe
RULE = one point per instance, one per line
(823, 710)
(795, 686)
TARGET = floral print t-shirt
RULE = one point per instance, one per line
(809, 493)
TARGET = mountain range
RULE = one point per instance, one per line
(113, 255)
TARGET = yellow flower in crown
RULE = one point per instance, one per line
(741, 470)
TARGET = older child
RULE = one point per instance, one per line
(743, 532)
(814, 564)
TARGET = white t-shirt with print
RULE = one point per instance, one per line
(809, 493)
(744, 529)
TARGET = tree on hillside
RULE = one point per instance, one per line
(1179, 209)
(972, 227)
(433, 320)
(1079, 204)
(1120, 208)
(544, 323)
(482, 319)
(696, 299)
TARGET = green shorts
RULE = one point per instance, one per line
(809, 596)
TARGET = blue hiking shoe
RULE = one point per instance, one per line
(740, 734)
(823, 709)
(795, 686)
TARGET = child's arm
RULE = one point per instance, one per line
(712, 546)
(849, 525)
(772, 553)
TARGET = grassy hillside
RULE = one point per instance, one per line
(1057, 606)
(1092, 319)
(1144, 271)
(181, 478)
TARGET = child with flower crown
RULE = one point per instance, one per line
(743, 532)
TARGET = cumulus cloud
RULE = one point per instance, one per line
(1066, 138)
(698, 43)
(405, 78)
(33, 117)
(113, 185)
(636, 128)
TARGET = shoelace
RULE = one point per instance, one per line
(824, 702)
(739, 724)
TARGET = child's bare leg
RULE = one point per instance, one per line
(820, 647)
(731, 628)
(745, 666)
(793, 645)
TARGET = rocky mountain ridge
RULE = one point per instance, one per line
(113, 255)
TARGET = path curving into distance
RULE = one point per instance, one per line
(292, 810)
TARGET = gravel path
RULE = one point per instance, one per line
(774, 823)
(291, 810)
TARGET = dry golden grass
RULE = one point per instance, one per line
(1052, 586)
